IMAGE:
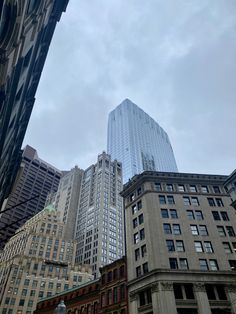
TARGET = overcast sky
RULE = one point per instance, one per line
(176, 59)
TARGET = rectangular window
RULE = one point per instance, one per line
(216, 189)
(211, 201)
(227, 247)
(216, 215)
(158, 187)
(219, 202)
(203, 264)
(173, 213)
(194, 201)
(179, 246)
(192, 188)
(213, 264)
(224, 216)
(190, 214)
(183, 263)
(140, 219)
(142, 234)
(198, 215)
(137, 254)
(169, 187)
(194, 229)
(203, 230)
(167, 228)
(232, 264)
(221, 231)
(208, 247)
(145, 268)
(138, 271)
(144, 250)
(162, 199)
(135, 222)
(136, 238)
(230, 231)
(176, 229)
(198, 246)
(139, 205)
(173, 263)
(170, 199)
(164, 213)
(204, 189)
(181, 188)
(186, 200)
(134, 209)
(170, 245)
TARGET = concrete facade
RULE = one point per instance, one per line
(37, 179)
(100, 225)
(181, 244)
(27, 27)
(38, 262)
(230, 186)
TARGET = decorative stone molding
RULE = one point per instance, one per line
(155, 287)
(166, 286)
(133, 296)
(230, 288)
(199, 287)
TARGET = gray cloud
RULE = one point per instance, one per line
(175, 59)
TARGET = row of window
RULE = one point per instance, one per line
(113, 296)
(190, 201)
(194, 214)
(139, 236)
(183, 188)
(141, 270)
(204, 264)
(114, 274)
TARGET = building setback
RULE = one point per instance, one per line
(108, 294)
(99, 226)
(137, 141)
(181, 244)
(66, 199)
(26, 31)
(37, 178)
(38, 262)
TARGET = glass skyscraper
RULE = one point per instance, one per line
(138, 141)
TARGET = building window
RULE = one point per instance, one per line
(230, 231)
(170, 245)
(194, 201)
(139, 204)
(216, 215)
(203, 264)
(186, 200)
(183, 263)
(173, 213)
(192, 188)
(224, 216)
(169, 187)
(199, 215)
(170, 199)
(134, 209)
(213, 264)
(176, 229)
(142, 234)
(219, 202)
(173, 263)
(143, 250)
(109, 296)
(227, 247)
(138, 271)
(115, 295)
(204, 189)
(145, 268)
(221, 231)
(208, 247)
(190, 215)
(137, 254)
(232, 264)
(194, 229)
(22, 302)
(198, 246)
(162, 199)
(140, 219)
(135, 222)
(181, 188)
(179, 246)
(157, 187)
(136, 238)
(167, 228)
(145, 297)
(164, 213)
(216, 189)
(203, 230)
(211, 202)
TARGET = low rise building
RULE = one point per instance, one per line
(181, 244)
(37, 262)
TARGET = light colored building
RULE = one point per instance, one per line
(181, 244)
(37, 262)
(66, 199)
(37, 179)
(100, 224)
(137, 141)
(230, 186)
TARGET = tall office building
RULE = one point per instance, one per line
(181, 244)
(38, 178)
(38, 262)
(136, 140)
(26, 30)
(66, 199)
(99, 227)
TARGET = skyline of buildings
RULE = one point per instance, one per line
(137, 141)
(36, 179)
(38, 262)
